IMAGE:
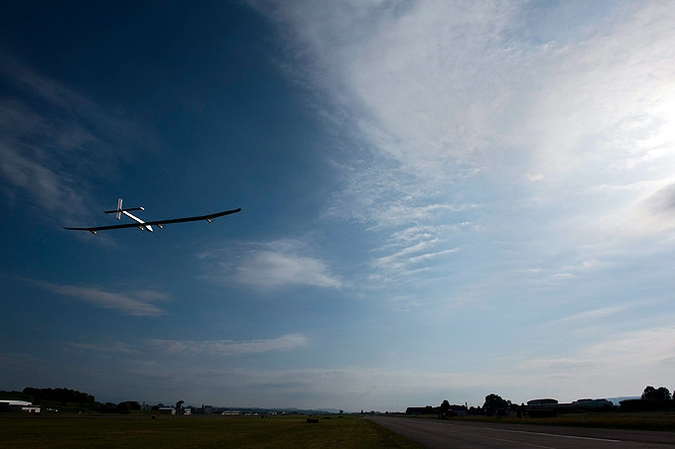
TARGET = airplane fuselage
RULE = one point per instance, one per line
(142, 226)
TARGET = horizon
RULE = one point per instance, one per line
(188, 404)
(439, 200)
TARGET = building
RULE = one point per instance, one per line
(167, 410)
(456, 410)
(542, 408)
(428, 410)
(12, 405)
(593, 404)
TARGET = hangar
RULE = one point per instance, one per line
(12, 405)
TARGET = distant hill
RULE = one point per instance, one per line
(288, 410)
(618, 399)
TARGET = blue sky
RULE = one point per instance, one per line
(440, 200)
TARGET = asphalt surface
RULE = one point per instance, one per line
(436, 434)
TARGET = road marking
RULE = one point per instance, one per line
(520, 443)
(553, 435)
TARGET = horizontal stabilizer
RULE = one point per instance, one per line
(122, 210)
(119, 209)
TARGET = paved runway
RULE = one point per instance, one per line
(453, 434)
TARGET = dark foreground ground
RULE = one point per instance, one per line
(435, 434)
(141, 431)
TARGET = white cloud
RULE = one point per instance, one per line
(228, 347)
(127, 303)
(457, 99)
(608, 100)
(593, 314)
(645, 348)
(555, 145)
(271, 265)
(271, 269)
(642, 356)
(410, 258)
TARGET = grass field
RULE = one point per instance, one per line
(141, 431)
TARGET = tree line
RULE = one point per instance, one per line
(494, 405)
(652, 399)
(68, 400)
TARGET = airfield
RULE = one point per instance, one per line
(332, 431)
(145, 431)
(460, 434)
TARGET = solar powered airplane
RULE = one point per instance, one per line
(147, 225)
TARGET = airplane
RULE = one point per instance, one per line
(147, 225)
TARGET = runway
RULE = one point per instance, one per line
(454, 434)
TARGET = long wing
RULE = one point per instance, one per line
(159, 223)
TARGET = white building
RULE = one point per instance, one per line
(12, 405)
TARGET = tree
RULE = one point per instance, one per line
(659, 394)
(445, 406)
(131, 405)
(122, 407)
(62, 395)
(495, 404)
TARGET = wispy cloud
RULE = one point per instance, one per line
(136, 303)
(271, 265)
(646, 347)
(592, 316)
(435, 102)
(116, 347)
(349, 388)
(458, 107)
(639, 354)
(21, 366)
(409, 257)
(55, 140)
(18, 361)
(229, 347)
(205, 348)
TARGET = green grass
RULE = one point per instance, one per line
(140, 431)
(635, 420)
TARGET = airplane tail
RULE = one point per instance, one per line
(119, 210)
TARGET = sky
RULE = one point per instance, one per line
(440, 200)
